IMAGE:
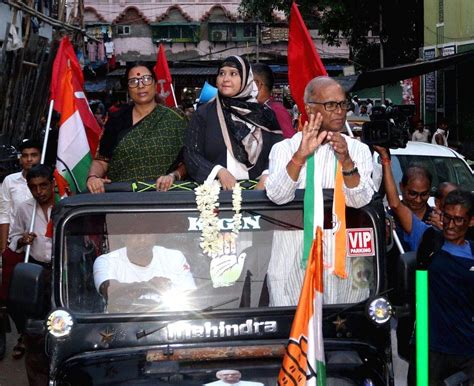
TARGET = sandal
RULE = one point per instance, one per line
(19, 349)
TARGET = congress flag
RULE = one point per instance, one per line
(164, 86)
(304, 62)
(79, 131)
(304, 363)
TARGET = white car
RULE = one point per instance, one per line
(443, 163)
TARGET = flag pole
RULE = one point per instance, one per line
(349, 130)
(43, 157)
(174, 96)
(48, 128)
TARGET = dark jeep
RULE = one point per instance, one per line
(238, 313)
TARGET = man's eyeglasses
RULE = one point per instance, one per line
(458, 221)
(145, 79)
(414, 194)
(332, 105)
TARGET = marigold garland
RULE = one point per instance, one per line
(207, 196)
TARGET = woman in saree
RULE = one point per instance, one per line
(141, 141)
(231, 136)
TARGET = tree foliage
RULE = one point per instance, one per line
(352, 20)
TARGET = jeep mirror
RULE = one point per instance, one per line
(406, 267)
(26, 293)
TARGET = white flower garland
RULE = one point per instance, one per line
(207, 196)
(236, 207)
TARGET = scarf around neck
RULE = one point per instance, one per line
(241, 115)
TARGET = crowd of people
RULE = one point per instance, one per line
(418, 131)
(243, 134)
(423, 134)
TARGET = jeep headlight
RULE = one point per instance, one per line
(59, 323)
(379, 310)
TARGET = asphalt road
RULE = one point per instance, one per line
(400, 366)
(12, 371)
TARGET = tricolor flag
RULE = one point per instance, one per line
(304, 62)
(304, 363)
(314, 215)
(79, 131)
(164, 86)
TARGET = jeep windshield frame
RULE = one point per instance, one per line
(128, 215)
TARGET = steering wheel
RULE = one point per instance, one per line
(134, 297)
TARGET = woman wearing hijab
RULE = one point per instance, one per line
(230, 137)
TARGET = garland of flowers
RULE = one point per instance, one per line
(236, 207)
(207, 196)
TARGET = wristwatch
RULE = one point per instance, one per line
(348, 173)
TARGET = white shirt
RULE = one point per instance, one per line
(369, 108)
(285, 275)
(240, 383)
(443, 135)
(356, 107)
(281, 188)
(168, 263)
(420, 137)
(237, 169)
(13, 192)
(109, 49)
(42, 246)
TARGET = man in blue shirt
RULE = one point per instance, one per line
(415, 188)
(451, 277)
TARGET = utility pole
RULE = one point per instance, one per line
(382, 87)
(257, 40)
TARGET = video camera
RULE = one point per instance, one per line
(389, 129)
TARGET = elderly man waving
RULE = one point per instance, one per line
(326, 106)
(340, 163)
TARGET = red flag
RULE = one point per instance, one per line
(304, 62)
(163, 79)
(66, 60)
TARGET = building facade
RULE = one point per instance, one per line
(196, 35)
(449, 29)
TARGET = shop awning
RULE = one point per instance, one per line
(198, 71)
(117, 72)
(278, 68)
(405, 71)
(192, 71)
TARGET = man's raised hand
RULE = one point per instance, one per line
(312, 136)
(339, 144)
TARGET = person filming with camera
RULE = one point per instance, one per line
(450, 261)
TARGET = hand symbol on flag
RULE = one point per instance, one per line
(292, 372)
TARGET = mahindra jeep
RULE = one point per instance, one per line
(229, 309)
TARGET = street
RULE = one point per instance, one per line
(400, 366)
(12, 371)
